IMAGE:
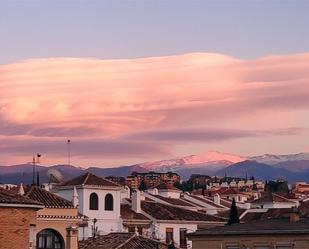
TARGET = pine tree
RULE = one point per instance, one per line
(234, 218)
(142, 186)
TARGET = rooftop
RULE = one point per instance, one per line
(174, 201)
(165, 212)
(262, 214)
(262, 227)
(127, 213)
(49, 199)
(272, 197)
(7, 197)
(164, 186)
(121, 241)
(89, 179)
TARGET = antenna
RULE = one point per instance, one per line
(33, 170)
(69, 151)
(34, 161)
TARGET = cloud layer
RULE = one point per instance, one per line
(145, 108)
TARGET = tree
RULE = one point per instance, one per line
(142, 186)
(234, 218)
(171, 245)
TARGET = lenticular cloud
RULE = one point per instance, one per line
(111, 99)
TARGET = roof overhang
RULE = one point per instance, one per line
(248, 233)
(12, 205)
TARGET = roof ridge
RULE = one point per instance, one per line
(86, 178)
(128, 240)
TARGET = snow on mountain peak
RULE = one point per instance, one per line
(211, 156)
(274, 159)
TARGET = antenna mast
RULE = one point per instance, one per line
(69, 151)
(33, 170)
(34, 161)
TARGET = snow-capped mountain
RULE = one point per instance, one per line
(210, 159)
(275, 159)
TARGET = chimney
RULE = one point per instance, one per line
(75, 198)
(21, 190)
(294, 215)
(217, 199)
(136, 201)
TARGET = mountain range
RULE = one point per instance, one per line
(294, 167)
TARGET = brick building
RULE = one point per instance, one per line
(18, 221)
(151, 179)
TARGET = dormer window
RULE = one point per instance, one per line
(109, 202)
(93, 202)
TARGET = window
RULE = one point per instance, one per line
(183, 237)
(93, 202)
(49, 239)
(169, 238)
(109, 202)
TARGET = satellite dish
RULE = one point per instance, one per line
(54, 176)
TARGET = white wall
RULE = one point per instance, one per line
(169, 194)
(274, 205)
(107, 221)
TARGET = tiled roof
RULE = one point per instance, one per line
(231, 191)
(174, 201)
(272, 213)
(121, 241)
(271, 198)
(49, 199)
(90, 180)
(165, 212)
(206, 201)
(269, 227)
(164, 186)
(7, 197)
(127, 213)
(223, 201)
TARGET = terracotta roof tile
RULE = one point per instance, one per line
(164, 186)
(127, 213)
(272, 213)
(47, 198)
(165, 212)
(91, 180)
(121, 241)
(271, 198)
(7, 197)
(173, 201)
(206, 201)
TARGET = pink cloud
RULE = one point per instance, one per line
(113, 99)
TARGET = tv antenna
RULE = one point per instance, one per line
(69, 151)
(35, 160)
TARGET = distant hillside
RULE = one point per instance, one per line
(252, 168)
(23, 173)
(294, 167)
(118, 171)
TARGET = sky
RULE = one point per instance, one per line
(135, 81)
